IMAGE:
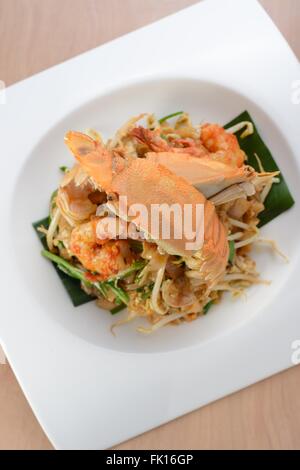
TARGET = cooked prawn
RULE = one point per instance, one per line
(104, 257)
(222, 145)
(154, 142)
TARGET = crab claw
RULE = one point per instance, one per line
(92, 156)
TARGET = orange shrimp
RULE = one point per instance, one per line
(222, 145)
(105, 257)
(156, 143)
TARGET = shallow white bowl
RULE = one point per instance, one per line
(88, 388)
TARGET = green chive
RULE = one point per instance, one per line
(74, 272)
(64, 169)
(170, 116)
(231, 252)
(146, 291)
(118, 309)
(72, 286)
(120, 293)
(102, 287)
(66, 267)
(136, 266)
(207, 307)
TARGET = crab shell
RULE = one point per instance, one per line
(145, 182)
(205, 174)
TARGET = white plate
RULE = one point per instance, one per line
(88, 388)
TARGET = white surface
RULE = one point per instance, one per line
(88, 389)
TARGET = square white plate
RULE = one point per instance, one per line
(88, 388)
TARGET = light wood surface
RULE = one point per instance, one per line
(36, 34)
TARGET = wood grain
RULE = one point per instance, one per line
(36, 34)
(286, 15)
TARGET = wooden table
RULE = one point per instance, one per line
(35, 34)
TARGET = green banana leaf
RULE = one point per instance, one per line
(279, 199)
(72, 286)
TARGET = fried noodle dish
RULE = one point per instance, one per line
(154, 163)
